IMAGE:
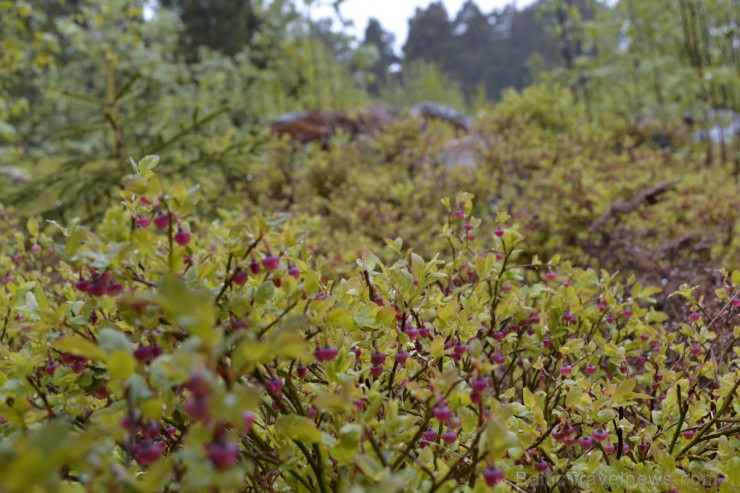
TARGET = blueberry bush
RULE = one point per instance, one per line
(161, 351)
(259, 314)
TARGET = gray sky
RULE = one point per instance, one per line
(394, 14)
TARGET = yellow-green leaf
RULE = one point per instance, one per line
(623, 390)
(78, 346)
(33, 226)
(121, 365)
(298, 428)
(148, 163)
(574, 395)
(190, 308)
(529, 400)
(437, 347)
(41, 300)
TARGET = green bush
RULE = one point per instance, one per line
(267, 316)
(163, 351)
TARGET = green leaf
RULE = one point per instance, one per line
(364, 317)
(529, 400)
(386, 316)
(640, 395)
(574, 395)
(41, 300)
(150, 408)
(288, 340)
(121, 365)
(572, 346)
(721, 293)
(190, 308)
(498, 438)
(444, 312)
(606, 415)
(311, 282)
(649, 291)
(593, 462)
(139, 388)
(437, 347)
(157, 475)
(337, 403)
(624, 389)
(78, 346)
(31, 303)
(179, 192)
(135, 184)
(298, 428)
(369, 261)
(33, 226)
(265, 292)
(7, 131)
(345, 450)
(113, 340)
(395, 245)
(417, 266)
(371, 467)
(148, 163)
(293, 323)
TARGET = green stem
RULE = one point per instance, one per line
(278, 318)
(683, 410)
(699, 434)
(392, 376)
(376, 447)
(728, 431)
(371, 291)
(413, 441)
(543, 437)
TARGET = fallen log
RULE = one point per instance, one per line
(620, 208)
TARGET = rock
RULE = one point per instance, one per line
(464, 152)
(375, 118)
(429, 110)
(321, 126)
(309, 126)
(15, 175)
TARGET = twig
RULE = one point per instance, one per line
(620, 208)
(699, 434)
(682, 416)
(369, 285)
(279, 317)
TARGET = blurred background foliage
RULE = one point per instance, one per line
(579, 108)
